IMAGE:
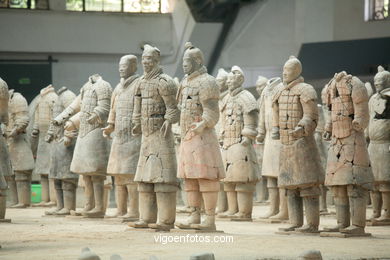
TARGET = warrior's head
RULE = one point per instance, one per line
(193, 59)
(382, 79)
(292, 69)
(127, 66)
(235, 78)
(261, 82)
(150, 58)
(221, 80)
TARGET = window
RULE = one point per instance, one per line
(129, 6)
(377, 10)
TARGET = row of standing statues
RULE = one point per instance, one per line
(304, 148)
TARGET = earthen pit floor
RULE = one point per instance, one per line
(31, 236)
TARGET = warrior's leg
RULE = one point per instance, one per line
(295, 210)
(194, 199)
(60, 197)
(273, 195)
(283, 210)
(69, 190)
(358, 198)
(166, 205)
(209, 190)
(311, 202)
(231, 194)
(245, 193)
(147, 205)
(12, 191)
(23, 185)
(341, 201)
(98, 190)
(385, 192)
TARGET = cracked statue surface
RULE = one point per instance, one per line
(125, 148)
(239, 122)
(65, 181)
(200, 163)
(155, 110)
(91, 151)
(295, 118)
(379, 148)
(348, 171)
(20, 151)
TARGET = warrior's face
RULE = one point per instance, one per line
(188, 66)
(221, 83)
(234, 80)
(260, 88)
(379, 82)
(126, 68)
(290, 72)
(148, 63)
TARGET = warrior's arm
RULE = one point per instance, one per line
(209, 99)
(112, 114)
(250, 123)
(360, 104)
(72, 109)
(103, 102)
(168, 91)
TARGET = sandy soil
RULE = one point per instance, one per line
(31, 236)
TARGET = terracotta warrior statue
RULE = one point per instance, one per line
(323, 151)
(348, 171)
(20, 151)
(239, 122)
(200, 164)
(270, 169)
(261, 186)
(91, 151)
(125, 148)
(379, 148)
(223, 91)
(43, 117)
(5, 162)
(65, 181)
(155, 110)
(295, 118)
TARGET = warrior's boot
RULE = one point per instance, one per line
(232, 205)
(166, 205)
(3, 203)
(312, 211)
(60, 198)
(52, 194)
(386, 208)
(342, 214)
(98, 191)
(262, 190)
(13, 193)
(323, 205)
(210, 203)
(245, 205)
(88, 193)
(358, 214)
(24, 190)
(376, 201)
(295, 211)
(121, 200)
(283, 210)
(194, 199)
(273, 195)
(148, 210)
(133, 211)
(44, 191)
(222, 200)
(69, 191)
